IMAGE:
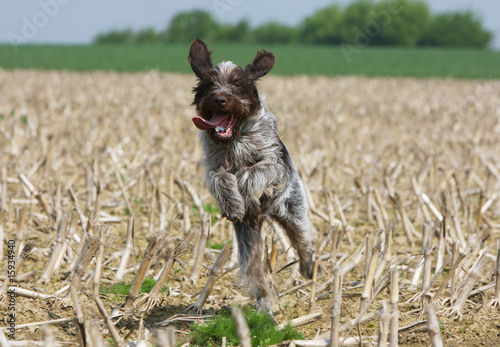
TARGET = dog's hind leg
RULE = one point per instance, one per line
(294, 220)
(250, 253)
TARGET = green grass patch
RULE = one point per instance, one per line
(262, 328)
(212, 210)
(291, 59)
(442, 326)
(122, 288)
(217, 245)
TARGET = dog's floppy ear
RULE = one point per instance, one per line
(262, 63)
(200, 57)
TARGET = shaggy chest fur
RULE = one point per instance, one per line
(258, 142)
(258, 146)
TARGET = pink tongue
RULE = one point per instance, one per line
(218, 119)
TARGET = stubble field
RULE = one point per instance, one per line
(388, 164)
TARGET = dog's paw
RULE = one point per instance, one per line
(265, 304)
(307, 268)
(252, 212)
(233, 216)
(233, 209)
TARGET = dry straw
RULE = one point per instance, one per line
(401, 175)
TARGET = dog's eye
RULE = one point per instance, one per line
(236, 85)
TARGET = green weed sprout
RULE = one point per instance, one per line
(263, 330)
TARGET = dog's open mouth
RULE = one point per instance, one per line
(223, 123)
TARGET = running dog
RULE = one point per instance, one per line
(248, 169)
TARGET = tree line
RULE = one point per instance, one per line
(388, 22)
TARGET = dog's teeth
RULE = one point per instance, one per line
(220, 129)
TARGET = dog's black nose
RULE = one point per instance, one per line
(221, 100)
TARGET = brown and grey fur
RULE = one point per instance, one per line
(251, 174)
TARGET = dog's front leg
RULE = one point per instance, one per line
(224, 188)
(253, 182)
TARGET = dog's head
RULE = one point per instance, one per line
(226, 95)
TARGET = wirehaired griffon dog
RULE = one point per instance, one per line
(249, 170)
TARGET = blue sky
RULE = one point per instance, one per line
(79, 21)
